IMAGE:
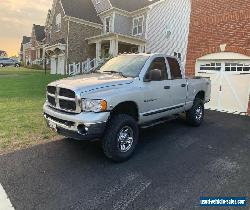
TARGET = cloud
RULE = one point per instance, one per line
(17, 18)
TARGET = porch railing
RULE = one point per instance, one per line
(85, 67)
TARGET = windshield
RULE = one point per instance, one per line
(126, 65)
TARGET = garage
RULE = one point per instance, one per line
(230, 76)
(56, 53)
(57, 64)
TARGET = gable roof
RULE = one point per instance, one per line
(26, 39)
(39, 32)
(3, 53)
(82, 9)
(131, 5)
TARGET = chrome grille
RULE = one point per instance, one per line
(63, 99)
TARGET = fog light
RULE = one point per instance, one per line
(82, 129)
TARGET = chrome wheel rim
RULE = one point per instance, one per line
(198, 113)
(125, 139)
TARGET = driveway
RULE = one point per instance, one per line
(174, 165)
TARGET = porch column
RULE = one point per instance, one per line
(141, 48)
(113, 50)
(98, 49)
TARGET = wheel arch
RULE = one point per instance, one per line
(201, 95)
(127, 107)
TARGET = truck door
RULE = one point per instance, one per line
(156, 93)
(178, 85)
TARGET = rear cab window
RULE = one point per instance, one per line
(175, 68)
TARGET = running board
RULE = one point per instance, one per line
(159, 121)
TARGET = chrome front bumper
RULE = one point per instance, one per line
(83, 126)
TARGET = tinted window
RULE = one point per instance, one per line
(160, 64)
(174, 68)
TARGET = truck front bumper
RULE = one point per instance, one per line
(83, 126)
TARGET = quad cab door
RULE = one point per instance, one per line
(178, 86)
(156, 92)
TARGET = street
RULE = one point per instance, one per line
(172, 168)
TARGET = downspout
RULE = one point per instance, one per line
(67, 53)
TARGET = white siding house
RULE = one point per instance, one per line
(168, 28)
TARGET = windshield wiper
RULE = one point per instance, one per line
(116, 72)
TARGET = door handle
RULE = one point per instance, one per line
(167, 87)
(183, 85)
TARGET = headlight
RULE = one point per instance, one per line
(90, 105)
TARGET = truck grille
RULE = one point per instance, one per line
(62, 99)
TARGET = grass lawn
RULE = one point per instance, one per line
(22, 94)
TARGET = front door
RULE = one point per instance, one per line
(53, 65)
(230, 84)
(61, 64)
(156, 98)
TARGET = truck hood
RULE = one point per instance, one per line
(90, 83)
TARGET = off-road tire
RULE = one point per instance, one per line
(193, 117)
(1, 65)
(110, 142)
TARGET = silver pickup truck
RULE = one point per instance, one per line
(128, 92)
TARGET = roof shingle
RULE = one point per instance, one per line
(82, 9)
(131, 5)
(39, 32)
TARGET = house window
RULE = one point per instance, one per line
(58, 22)
(177, 55)
(211, 67)
(137, 26)
(240, 67)
(107, 24)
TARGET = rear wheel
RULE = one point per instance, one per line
(195, 115)
(121, 138)
(17, 65)
(1, 65)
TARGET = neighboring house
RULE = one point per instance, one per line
(219, 48)
(124, 26)
(79, 30)
(25, 51)
(68, 24)
(3, 54)
(37, 44)
(168, 28)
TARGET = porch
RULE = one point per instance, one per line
(56, 54)
(112, 44)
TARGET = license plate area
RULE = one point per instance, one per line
(52, 125)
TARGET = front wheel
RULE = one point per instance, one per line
(195, 115)
(17, 65)
(121, 138)
(1, 65)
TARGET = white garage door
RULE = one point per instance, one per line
(230, 81)
(53, 65)
(61, 65)
(58, 64)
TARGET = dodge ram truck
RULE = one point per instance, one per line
(128, 92)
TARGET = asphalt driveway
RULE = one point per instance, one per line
(174, 165)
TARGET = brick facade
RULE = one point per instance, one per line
(217, 22)
(79, 50)
(57, 36)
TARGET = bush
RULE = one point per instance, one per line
(35, 67)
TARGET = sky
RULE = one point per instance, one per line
(16, 20)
